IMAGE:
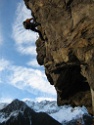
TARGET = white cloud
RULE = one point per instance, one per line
(32, 80)
(28, 79)
(3, 64)
(6, 99)
(22, 36)
(29, 50)
(4, 70)
(33, 63)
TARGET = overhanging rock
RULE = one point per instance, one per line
(68, 50)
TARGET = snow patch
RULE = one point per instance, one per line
(4, 117)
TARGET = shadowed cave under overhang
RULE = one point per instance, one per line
(72, 88)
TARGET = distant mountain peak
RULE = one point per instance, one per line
(18, 113)
(16, 100)
(15, 105)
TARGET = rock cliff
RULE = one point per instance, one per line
(67, 52)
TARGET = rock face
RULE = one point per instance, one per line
(68, 50)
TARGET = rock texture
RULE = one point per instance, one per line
(68, 50)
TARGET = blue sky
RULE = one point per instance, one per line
(20, 75)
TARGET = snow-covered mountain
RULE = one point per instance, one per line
(42, 113)
(66, 115)
(60, 113)
(18, 113)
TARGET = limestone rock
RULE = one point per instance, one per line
(68, 50)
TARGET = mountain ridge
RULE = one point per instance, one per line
(18, 113)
